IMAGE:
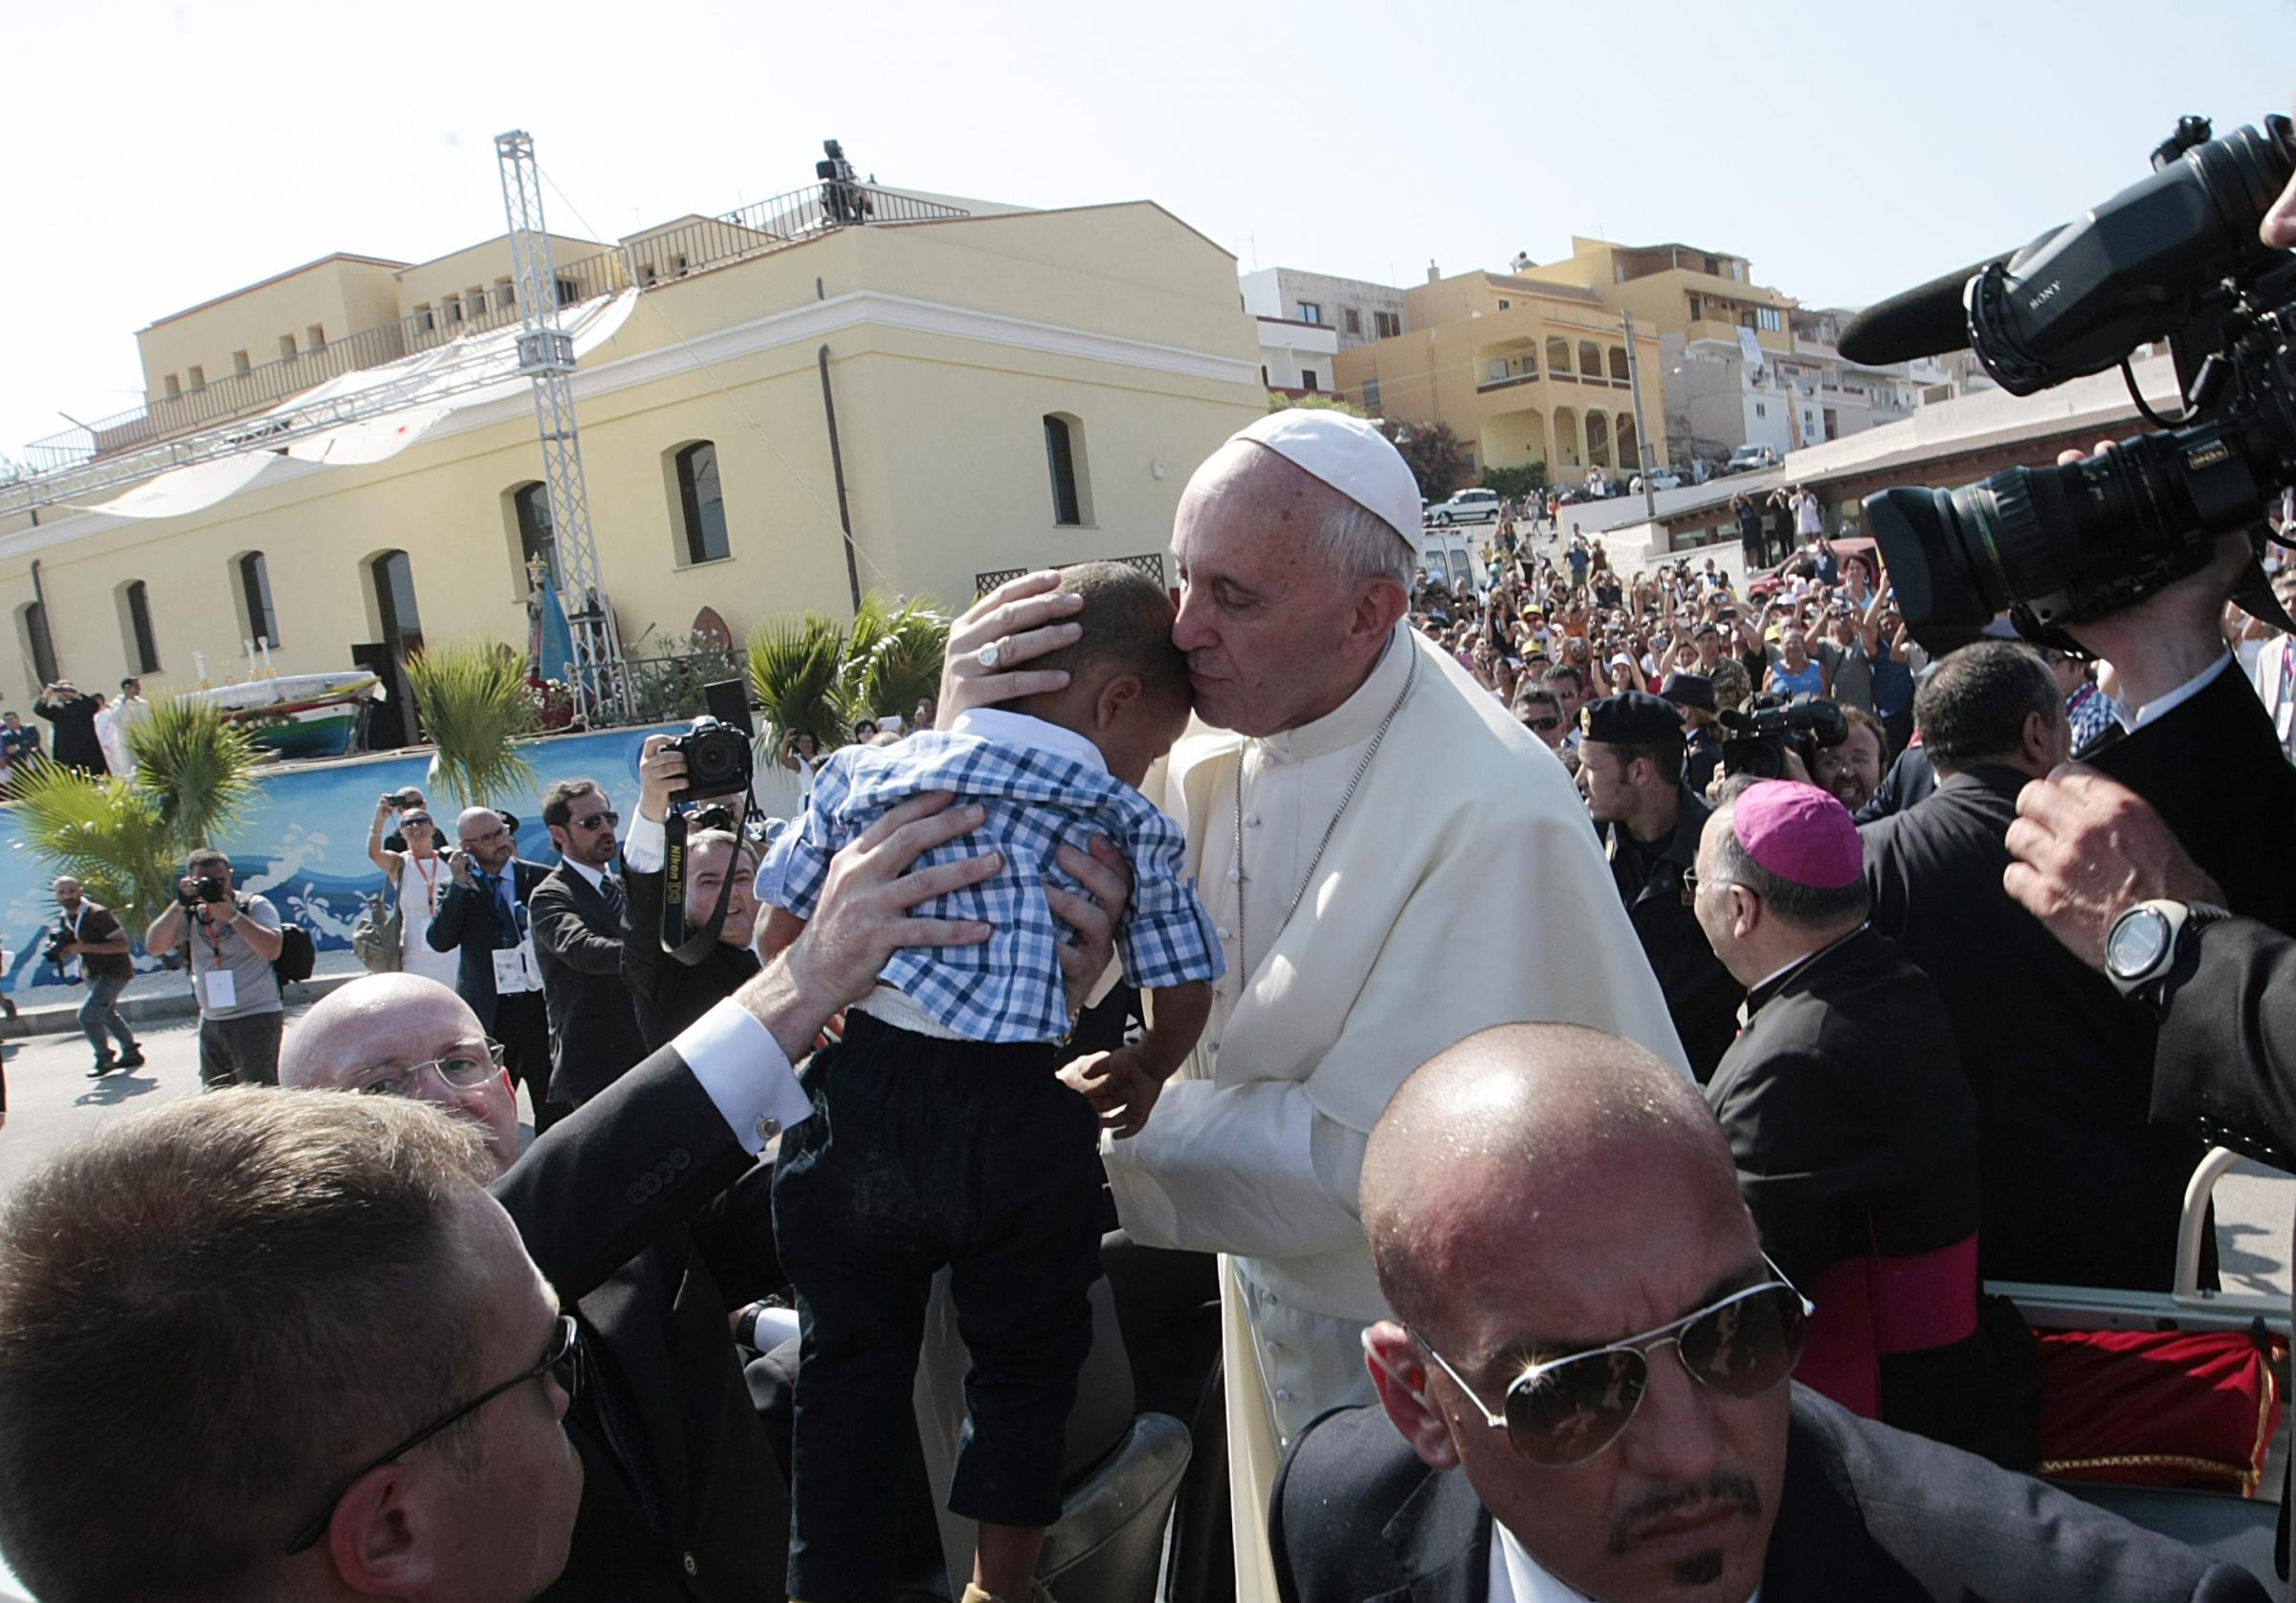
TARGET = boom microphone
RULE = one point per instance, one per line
(1922, 321)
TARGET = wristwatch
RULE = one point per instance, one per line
(2142, 946)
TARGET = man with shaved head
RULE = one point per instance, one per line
(1585, 1391)
(484, 917)
(1382, 849)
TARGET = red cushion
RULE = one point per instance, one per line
(2147, 1408)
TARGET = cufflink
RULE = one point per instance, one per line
(769, 1128)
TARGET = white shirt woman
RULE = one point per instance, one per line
(420, 876)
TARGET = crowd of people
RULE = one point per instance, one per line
(1542, 1019)
(91, 729)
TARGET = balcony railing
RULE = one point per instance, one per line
(649, 260)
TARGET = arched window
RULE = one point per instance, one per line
(32, 622)
(142, 648)
(1065, 461)
(530, 511)
(256, 617)
(1617, 363)
(1590, 358)
(393, 578)
(1559, 354)
(701, 503)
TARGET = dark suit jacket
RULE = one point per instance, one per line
(1865, 1513)
(467, 922)
(2078, 1186)
(1702, 998)
(670, 995)
(681, 1497)
(578, 946)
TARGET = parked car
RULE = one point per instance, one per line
(1468, 506)
(1747, 459)
(1658, 478)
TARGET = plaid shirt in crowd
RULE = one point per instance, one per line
(2089, 710)
(1008, 988)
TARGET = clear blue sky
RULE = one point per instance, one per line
(161, 154)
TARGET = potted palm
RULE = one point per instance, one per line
(475, 704)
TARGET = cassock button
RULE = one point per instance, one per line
(769, 1128)
(1235, 876)
(1222, 932)
(1283, 1394)
(693, 1567)
(1252, 820)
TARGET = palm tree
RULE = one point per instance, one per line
(818, 678)
(124, 837)
(475, 704)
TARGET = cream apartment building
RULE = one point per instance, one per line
(1008, 389)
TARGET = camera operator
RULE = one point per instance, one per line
(234, 939)
(485, 916)
(89, 933)
(670, 994)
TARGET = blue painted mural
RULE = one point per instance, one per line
(303, 844)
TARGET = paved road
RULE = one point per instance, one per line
(52, 1103)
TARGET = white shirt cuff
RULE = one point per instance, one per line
(644, 848)
(2161, 705)
(745, 1073)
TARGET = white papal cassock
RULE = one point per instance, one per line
(1463, 887)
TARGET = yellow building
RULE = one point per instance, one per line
(1676, 289)
(1008, 390)
(1522, 370)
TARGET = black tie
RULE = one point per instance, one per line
(609, 886)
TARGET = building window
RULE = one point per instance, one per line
(197, 375)
(450, 309)
(1371, 396)
(143, 650)
(424, 321)
(1311, 312)
(1768, 320)
(567, 290)
(254, 600)
(287, 351)
(1697, 309)
(39, 643)
(1498, 368)
(1388, 324)
(239, 364)
(1064, 461)
(1307, 379)
(314, 338)
(402, 623)
(1617, 363)
(1761, 409)
(703, 503)
(1503, 305)
(173, 386)
(1355, 319)
(530, 508)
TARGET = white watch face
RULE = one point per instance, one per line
(2138, 943)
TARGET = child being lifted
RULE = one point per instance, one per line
(941, 1133)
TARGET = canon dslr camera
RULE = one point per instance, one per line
(2176, 256)
(205, 889)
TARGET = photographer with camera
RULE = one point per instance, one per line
(485, 917)
(234, 941)
(89, 934)
(671, 991)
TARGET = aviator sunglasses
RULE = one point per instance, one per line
(1566, 1411)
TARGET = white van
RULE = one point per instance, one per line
(1468, 506)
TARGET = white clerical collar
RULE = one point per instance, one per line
(1356, 720)
(999, 727)
(1517, 1577)
(596, 876)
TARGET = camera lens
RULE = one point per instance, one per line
(2069, 543)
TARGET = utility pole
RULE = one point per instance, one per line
(1642, 441)
(546, 355)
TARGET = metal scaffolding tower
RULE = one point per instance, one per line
(546, 355)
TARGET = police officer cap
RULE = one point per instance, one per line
(1688, 690)
(1636, 719)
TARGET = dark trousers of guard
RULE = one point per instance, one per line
(523, 1026)
(921, 1153)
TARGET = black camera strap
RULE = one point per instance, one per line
(693, 946)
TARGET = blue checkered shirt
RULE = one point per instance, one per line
(1010, 987)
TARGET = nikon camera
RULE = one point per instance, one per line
(717, 760)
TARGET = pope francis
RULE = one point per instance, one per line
(1392, 864)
